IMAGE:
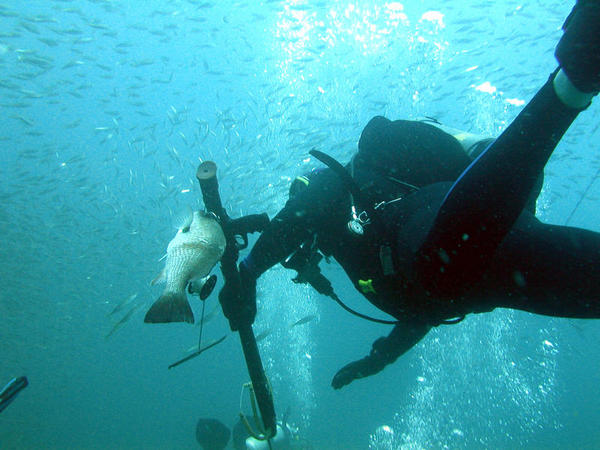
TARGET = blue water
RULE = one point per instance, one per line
(107, 109)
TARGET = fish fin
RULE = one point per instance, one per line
(160, 278)
(170, 307)
(183, 220)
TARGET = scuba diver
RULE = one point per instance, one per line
(428, 235)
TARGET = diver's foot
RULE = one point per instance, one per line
(578, 51)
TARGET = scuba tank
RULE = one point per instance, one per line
(472, 144)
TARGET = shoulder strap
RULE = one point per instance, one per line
(354, 190)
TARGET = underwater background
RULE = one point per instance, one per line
(108, 107)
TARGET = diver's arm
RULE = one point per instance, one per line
(385, 351)
(294, 224)
(276, 242)
(284, 234)
(301, 217)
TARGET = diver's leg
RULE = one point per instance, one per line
(485, 201)
(545, 269)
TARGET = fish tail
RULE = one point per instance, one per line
(170, 307)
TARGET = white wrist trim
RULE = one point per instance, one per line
(568, 93)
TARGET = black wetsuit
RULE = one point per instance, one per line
(464, 242)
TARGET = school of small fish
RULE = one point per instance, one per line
(108, 108)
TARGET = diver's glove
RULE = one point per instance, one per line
(350, 372)
(385, 350)
(239, 302)
(367, 366)
(578, 51)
